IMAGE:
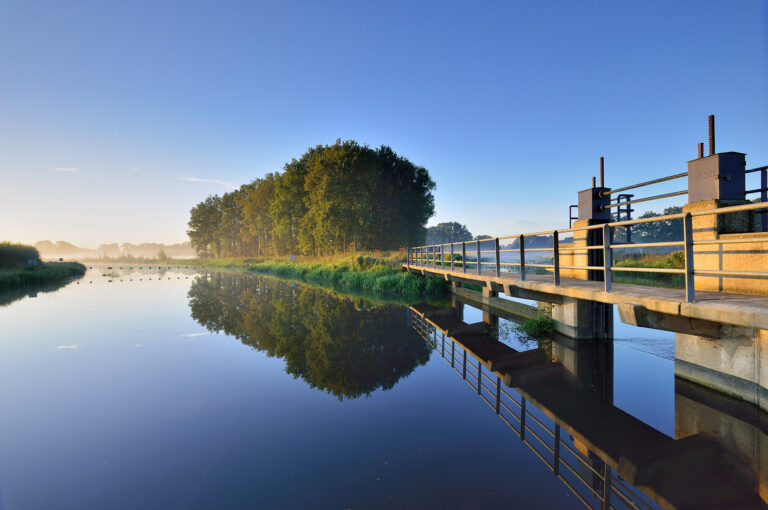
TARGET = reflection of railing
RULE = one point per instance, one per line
(435, 255)
(592, 481)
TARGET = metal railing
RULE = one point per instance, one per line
(591, 480)
(763, 190)
(434, 256)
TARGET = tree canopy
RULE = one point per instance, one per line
(448, 232)
(332, 198)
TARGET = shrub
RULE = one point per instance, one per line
(541, 326)
(17, 255)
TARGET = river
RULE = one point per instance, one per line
(143, 389)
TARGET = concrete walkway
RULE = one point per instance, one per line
(737, 309)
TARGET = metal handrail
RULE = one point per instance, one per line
(426, 256)
(646, 183)
(647, 199)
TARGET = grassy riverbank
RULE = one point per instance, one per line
(46, 272)
(675, 260)
(379, 274)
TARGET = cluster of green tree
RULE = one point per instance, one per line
(330, 199)
(14, 256)
(657, 231)
(448, 232)
(337, 345)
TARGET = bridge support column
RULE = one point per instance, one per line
(736, 363)
(489, 317)
(736, 426)
(716, 181)
(579, 318)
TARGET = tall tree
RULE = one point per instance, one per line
(448, 232)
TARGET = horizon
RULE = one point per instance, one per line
(118, 119)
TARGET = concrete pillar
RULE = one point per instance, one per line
(593, 210)
(732, 364)
(589, 363)
(488, 316)
(579, 318)
(736, 426)
(714, 182)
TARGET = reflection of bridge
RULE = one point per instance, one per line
(563, 411)
(715, 297)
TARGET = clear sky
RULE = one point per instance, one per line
(117, 117)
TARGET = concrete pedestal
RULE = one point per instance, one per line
(732, 364)
(578, 318)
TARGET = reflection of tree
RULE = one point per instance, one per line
(8, 296)
(326, 340)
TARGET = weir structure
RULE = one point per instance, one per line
(557, 397)
(714, 297)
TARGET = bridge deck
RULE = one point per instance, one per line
(729, 308)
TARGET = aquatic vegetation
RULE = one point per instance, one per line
(541, 326)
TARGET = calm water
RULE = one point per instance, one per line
(230, 391)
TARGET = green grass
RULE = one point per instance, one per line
(377, 275)
(541, 326)
(47, 272)
(673, 260)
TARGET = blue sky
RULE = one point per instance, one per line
(117, 117)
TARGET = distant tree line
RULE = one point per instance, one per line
(331, 199)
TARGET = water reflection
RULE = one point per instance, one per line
(557, 398)
(342, 346)
(9, 296)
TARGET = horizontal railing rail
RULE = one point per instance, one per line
(467, 256)
(605, 489)
(642, 184)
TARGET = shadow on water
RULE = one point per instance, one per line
(343, 346)
(9, 296)
(557, 395)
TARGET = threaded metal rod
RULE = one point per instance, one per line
(711, 135)
(701, 150)
(602, 172)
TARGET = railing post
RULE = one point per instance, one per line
(556, 253)
(442, 257)
(463, 256)
(478, 257)
(522, 257)
(606, 487)
(764, 198)
(498, 260)
(451, 256)
(556, 460)
(408, 260)
(607, 257)
(690, 292)
(479, 376)
(498, 394)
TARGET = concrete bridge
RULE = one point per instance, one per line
(715, 300)
(606, 457)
